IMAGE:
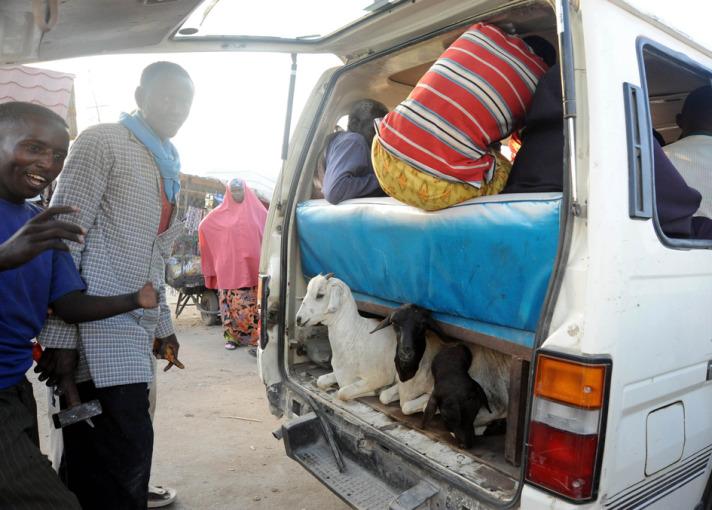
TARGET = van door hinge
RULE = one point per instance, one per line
(709, 370)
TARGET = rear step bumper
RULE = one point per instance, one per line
(358, 486)
(377, 474)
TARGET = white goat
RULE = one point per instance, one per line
(362, 362)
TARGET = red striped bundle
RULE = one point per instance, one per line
(475, 94)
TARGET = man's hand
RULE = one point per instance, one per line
(39, 234)
(167, 348)
(147, 297)
(55, 364)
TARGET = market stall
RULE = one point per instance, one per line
(198, 196)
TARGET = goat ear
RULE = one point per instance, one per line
(383, 324)
(329, 275)
(430, 410)
(334, 299)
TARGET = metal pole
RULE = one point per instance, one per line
(290, 106)
(566, 56)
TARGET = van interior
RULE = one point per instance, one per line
(482, 267)
(669, 79)
(669, 82)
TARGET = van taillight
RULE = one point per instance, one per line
(567, 425)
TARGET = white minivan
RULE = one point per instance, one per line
(604, 318)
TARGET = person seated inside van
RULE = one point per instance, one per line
(348, 169)
(539, 165)
(677, 202)
(692, 153)
(435, 149)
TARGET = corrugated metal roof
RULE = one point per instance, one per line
(40, 86)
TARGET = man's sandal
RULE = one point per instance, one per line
(160, 496)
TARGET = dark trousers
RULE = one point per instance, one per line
(108, 466)
(27, 480)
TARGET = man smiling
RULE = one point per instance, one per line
(125, 178)
(36, 273)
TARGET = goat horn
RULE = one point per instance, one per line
(383, 324)
(329, 275)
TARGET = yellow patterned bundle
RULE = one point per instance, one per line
(413, 187)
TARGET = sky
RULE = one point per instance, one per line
(236, 122)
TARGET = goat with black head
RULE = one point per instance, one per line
(456, 394)
(418, 341)
(410, 323)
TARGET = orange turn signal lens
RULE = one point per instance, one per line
(569, 382)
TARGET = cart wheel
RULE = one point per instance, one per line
(209, 301)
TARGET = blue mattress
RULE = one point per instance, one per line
(484, 264)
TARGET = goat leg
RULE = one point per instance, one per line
(360, 388)
(326, 380)
(389, 395)
(417, 405)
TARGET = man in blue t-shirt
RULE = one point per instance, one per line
(348, 169)
(36, 275)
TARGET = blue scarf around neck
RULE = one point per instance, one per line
(164, 152)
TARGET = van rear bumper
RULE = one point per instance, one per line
(374, 476)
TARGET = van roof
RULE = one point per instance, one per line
(674, 18)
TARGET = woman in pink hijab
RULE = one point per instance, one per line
(230, 239)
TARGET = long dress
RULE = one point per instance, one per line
(230, 239)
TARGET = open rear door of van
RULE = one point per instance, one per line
(48, 30)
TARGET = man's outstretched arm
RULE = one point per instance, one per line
(78, 307)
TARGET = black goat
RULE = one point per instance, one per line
(410, 323)
(456, 394)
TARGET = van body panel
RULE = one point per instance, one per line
(652, 19)
(644, 302)
(664, 437)
(270, 371)
(536, 499)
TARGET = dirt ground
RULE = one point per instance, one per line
(215, 460)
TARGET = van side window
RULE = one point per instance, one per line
(670, 147)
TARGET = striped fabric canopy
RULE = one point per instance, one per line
(475, 94)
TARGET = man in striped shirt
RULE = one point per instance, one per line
(435, 149)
